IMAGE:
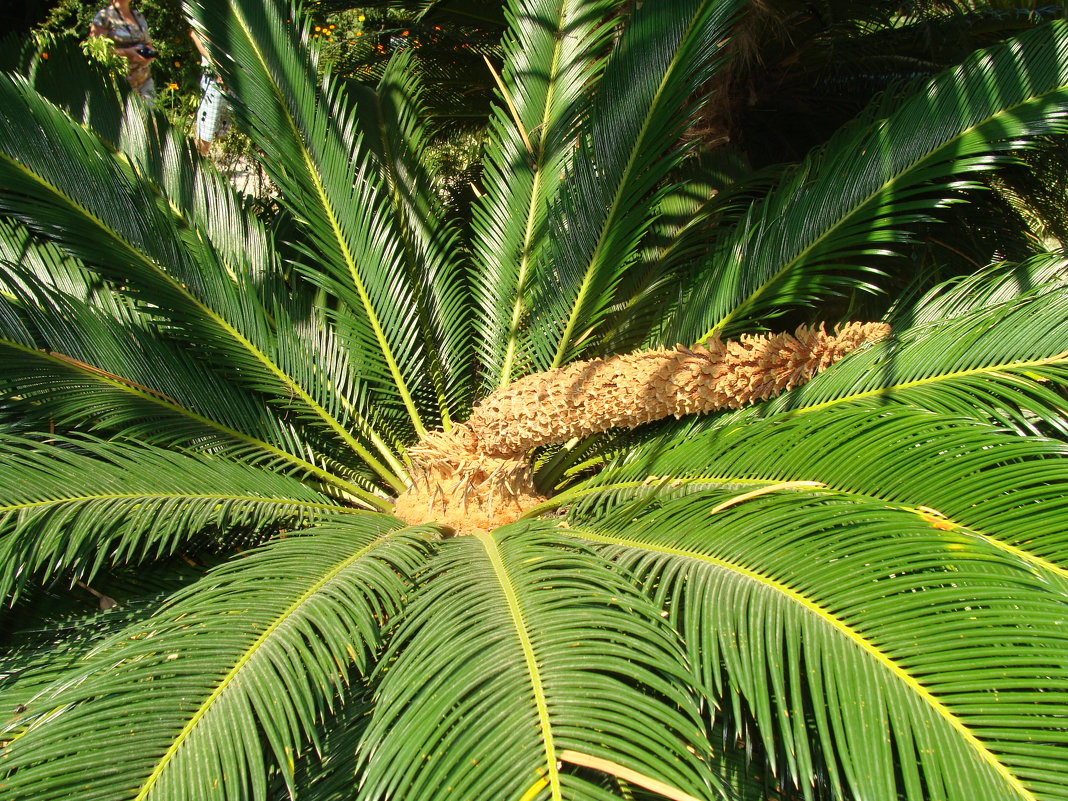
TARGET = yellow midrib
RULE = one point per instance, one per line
(152, 496)
(573, 319)
(516, 611)
(350, 260)
(211, 314)
(883, 189)
(532, 213)
(243, 660)
(987, 370)
(862, 642)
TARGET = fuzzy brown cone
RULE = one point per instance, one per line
(626, 391)
(459, 487)
(476, 476)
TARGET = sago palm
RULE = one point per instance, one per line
(542, 506)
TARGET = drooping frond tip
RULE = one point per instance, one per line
(476, 476)
(627, 391)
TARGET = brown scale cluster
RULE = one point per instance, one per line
(630, 390)
(458, 486)
(476, 475)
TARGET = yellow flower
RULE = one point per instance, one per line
(172, 85)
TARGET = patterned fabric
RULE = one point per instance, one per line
(213, 116)
(123, 34)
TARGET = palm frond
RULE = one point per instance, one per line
(77, 504)
(842, 622)
(308, 606)
(513, 655)
(964, 475)
(825, 227)
(1003, 362)
(21, 251)
(59, 69)
(552, 53)
(328, 772)
(394, 128)
(997, 284)
(709, 193)
(71, 362)
(628, 145)
(314, 151)
(47, 633)
(102, 210)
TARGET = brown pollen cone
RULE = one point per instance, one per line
(462, 488)
(476, 476)
(626, 391)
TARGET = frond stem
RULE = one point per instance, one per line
(500, 570)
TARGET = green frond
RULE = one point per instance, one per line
(552, 54)
(627, 146)
(21, 251)
(104, 211)
(824, 228)
(1002, 363)
(81, 86)
(77, 504)
(328, 772)
(33, 660)
(233, 673)
(923, 663)
(522, 656)
(73, 363)
(47, 633)
(394, 128)
(707, 194)
(313, 148)
(959, 475)
(997, 284)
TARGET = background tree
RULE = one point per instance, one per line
(372, 503)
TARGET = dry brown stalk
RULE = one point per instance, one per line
(476, 476)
